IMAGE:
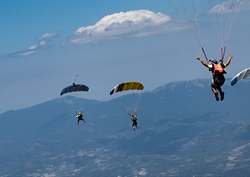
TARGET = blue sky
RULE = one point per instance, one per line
(44, 44)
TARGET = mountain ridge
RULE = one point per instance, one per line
(182, 131)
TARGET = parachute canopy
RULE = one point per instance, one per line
(75, 88)
(127, 86)
(241, 75)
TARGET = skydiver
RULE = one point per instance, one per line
(79, 115)
(217, 69)
(134, 120)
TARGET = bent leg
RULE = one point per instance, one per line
(221, 93)
(213, 88)
(136, 125)
(133, 126)
(219, 89)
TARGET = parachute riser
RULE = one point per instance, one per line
(204, 53)
(223, 51)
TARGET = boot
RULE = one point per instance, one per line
(216, 96)
(222, 96)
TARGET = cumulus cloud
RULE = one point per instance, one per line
(129, 24)
(230, 6)
(41, 44)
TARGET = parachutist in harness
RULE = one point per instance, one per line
(134, 120)
(217, 69)
(79, 115)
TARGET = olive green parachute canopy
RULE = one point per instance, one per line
(127, 86)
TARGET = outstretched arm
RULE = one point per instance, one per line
(229, 60)
(202, 62)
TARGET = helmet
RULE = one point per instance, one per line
(215, 61)
(79, 113)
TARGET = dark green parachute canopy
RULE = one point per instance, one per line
(75, 88)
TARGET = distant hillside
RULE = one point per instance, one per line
(183, 131)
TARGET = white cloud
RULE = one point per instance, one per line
(230, 6)
(137, 23)
(48, 36)
(41, 44)
(24, 52)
